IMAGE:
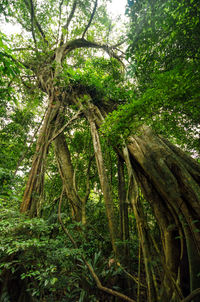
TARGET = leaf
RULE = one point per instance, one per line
(53, 281)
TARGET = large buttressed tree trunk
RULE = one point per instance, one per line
(170, 182)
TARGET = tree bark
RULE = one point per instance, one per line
(105, 186)
(123, 206)
(170, 183)
(33, 194)
(169, 180)
(67, 173)
(133, 198)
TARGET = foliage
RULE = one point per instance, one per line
(164, 54)
(99, 77)
(16, 120)
(8, 72)
(37, 251)
(163, 35)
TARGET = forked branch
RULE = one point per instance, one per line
(83, 43)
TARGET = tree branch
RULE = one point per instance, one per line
(192, 295)
(91, 18)
(119, 43)
(71, 15)
(65, 126)
(82, 43)
(32, 21)
(69, 20)
(59, 22)
(30, 7)
(24, 48)
(74, 181)
(31, 143)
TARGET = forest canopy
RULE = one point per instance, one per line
(100, 151)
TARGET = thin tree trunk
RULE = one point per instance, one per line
(123, 205)
(67, 173)
(105, 186)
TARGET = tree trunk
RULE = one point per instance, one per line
(170, 182)
(67, 174)
(33, 194)
(132, 197)
(105, 186)
(123, 206)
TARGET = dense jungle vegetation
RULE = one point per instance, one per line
(100, 151)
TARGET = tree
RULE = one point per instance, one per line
(61, 57)
(164, 52)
